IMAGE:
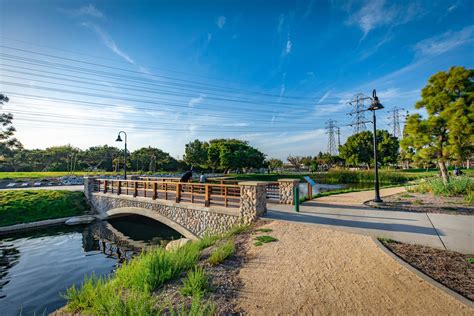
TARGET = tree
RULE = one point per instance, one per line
(152, 159)
(274, 164)
(8, 143)
(447, 134)
(196, 153)
(359, 149)
(295, 161)
(233, 154)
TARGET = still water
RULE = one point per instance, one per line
(38, 266)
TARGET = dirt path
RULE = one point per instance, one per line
(357, 198)
(317, 271)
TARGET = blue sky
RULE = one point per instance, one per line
(169, 72)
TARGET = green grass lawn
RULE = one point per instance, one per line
(46, 174)
(23, 206)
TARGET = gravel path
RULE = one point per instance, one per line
(318, 271)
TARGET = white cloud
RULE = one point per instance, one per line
(324, 97)
(289, 45)
(377, 13)
(445, 42)
(85, 11)
(281, 22)
(196, 100)
(221, 21)
(109, 42)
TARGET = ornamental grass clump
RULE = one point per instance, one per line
(196, 283)
(222, 252)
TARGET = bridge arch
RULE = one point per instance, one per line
(122, 211)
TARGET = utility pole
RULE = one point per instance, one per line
(331, 130)
(394, 118)
(358, 112)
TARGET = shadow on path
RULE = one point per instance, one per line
(314, 219)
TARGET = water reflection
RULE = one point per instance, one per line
(37, 266)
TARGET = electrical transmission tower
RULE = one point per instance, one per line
(331, 131)
(359, 108)
(394, 118)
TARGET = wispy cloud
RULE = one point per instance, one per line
(325, 96)
(196, 100)
(281, 23)
(85, 11)
(309, 9)
(377, 13)
(221, 21)
(109, 42)
(289, 46)
(445, 42)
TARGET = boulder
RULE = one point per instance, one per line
(176, 244)
(79, 220)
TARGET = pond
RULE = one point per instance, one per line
(322, 187)
(36, 267)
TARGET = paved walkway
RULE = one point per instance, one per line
(326, 272)
(345, 212)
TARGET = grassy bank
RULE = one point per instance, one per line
(136, 287)
(23, 206)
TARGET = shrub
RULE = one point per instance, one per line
(196, 283)
(222, 252)
(455, 186)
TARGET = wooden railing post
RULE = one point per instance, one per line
(119, 189)
(105, 186)
(310, 191)
(178, 192)
(155, 190)
(135, 189)
(207, 197)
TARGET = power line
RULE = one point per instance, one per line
(149, 75)
(358, 112)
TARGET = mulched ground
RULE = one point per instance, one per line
(447, 267)
(425, 203)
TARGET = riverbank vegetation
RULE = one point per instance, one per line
(137, 286)
(23, 206)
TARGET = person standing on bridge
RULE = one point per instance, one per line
(187, 176)
(202, 178)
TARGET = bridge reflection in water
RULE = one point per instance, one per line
(125, 236)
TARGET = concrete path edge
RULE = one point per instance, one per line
(424, 276)
(32, 225)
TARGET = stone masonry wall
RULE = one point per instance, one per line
(253, 201)
(198, 220)
(286, 190)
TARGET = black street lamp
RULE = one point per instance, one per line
(119, 139)
(376, 105)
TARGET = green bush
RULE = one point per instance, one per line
(22, 206)
(196, 283)
(455, 187)
(222, 252)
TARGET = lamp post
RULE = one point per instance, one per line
(376, 105)
(119, 139)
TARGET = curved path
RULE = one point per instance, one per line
(312, 271)
(346, 212)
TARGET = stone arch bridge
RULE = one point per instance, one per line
(192, 209)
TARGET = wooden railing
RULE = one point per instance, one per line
(206, 194)
(273, 192)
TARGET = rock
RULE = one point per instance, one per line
(78, 220)
(176, 244)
